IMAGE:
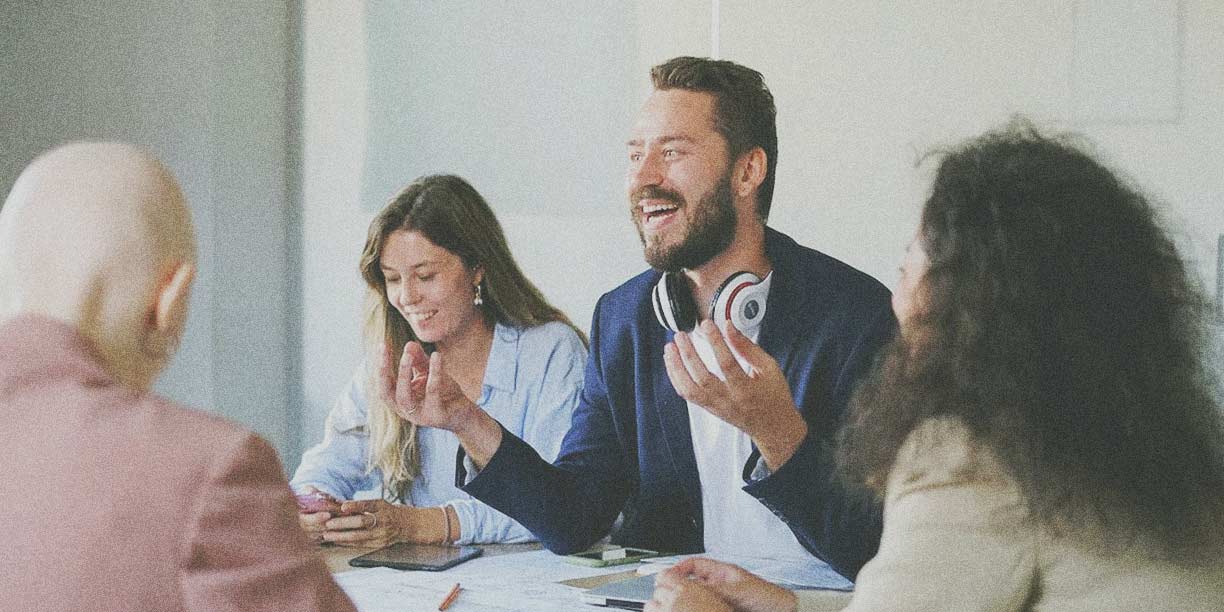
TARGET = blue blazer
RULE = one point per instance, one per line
(629, 448)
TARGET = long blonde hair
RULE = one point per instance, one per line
(451, 214)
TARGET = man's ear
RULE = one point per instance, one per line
(750, 170)
(170, 310)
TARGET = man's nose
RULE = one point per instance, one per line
(646, 172)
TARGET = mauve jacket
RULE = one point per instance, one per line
(115, 499)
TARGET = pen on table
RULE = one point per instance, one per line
(450, 598)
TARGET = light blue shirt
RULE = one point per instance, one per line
(531, 386)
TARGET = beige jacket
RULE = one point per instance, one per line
(956, 538)
(113, 499)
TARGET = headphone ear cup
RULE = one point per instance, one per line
(683, 306)
(662, 304)
(739, 301)
(673, 304)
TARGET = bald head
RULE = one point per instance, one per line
(95, 234)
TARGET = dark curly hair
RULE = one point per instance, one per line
(1057, 321)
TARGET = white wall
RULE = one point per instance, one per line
(333, 223)
(205, 86)
(540, 207)
(863, 89)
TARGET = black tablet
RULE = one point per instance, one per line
(428, 557)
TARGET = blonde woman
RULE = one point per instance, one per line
(440, 273)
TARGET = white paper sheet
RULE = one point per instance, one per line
(520, 582)
(811, 574)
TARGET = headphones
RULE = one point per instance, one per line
(740, 300)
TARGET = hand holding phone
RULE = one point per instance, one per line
(315, 501)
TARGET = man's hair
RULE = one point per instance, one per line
(744, 110)
(1057, 321)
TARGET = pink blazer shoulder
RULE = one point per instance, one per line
(117, 500)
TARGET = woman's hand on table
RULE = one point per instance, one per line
(376, 523)
(698, 582)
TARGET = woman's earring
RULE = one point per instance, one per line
(478, 301)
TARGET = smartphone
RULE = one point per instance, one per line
(613, 556)
(317, 501)
(427, 557)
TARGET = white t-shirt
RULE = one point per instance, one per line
(735, 522)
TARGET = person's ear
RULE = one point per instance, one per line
(750, 170)
(170, 309)
(478, 274)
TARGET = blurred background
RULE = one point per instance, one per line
(289, 123)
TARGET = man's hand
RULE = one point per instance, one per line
(423, 393)
(757, 401)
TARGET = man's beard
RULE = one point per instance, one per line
(710, 230)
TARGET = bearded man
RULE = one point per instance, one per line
(717, 380)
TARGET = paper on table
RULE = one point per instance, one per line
(598, 581)
(792, 574)
(520, 582)
(380, 589)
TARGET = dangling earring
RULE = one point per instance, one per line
(478, 301)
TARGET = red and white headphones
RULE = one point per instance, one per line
(740, 300)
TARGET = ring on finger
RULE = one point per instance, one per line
(374, 523)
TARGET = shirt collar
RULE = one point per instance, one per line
(501, 371)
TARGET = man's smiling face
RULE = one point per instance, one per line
(678, 180)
